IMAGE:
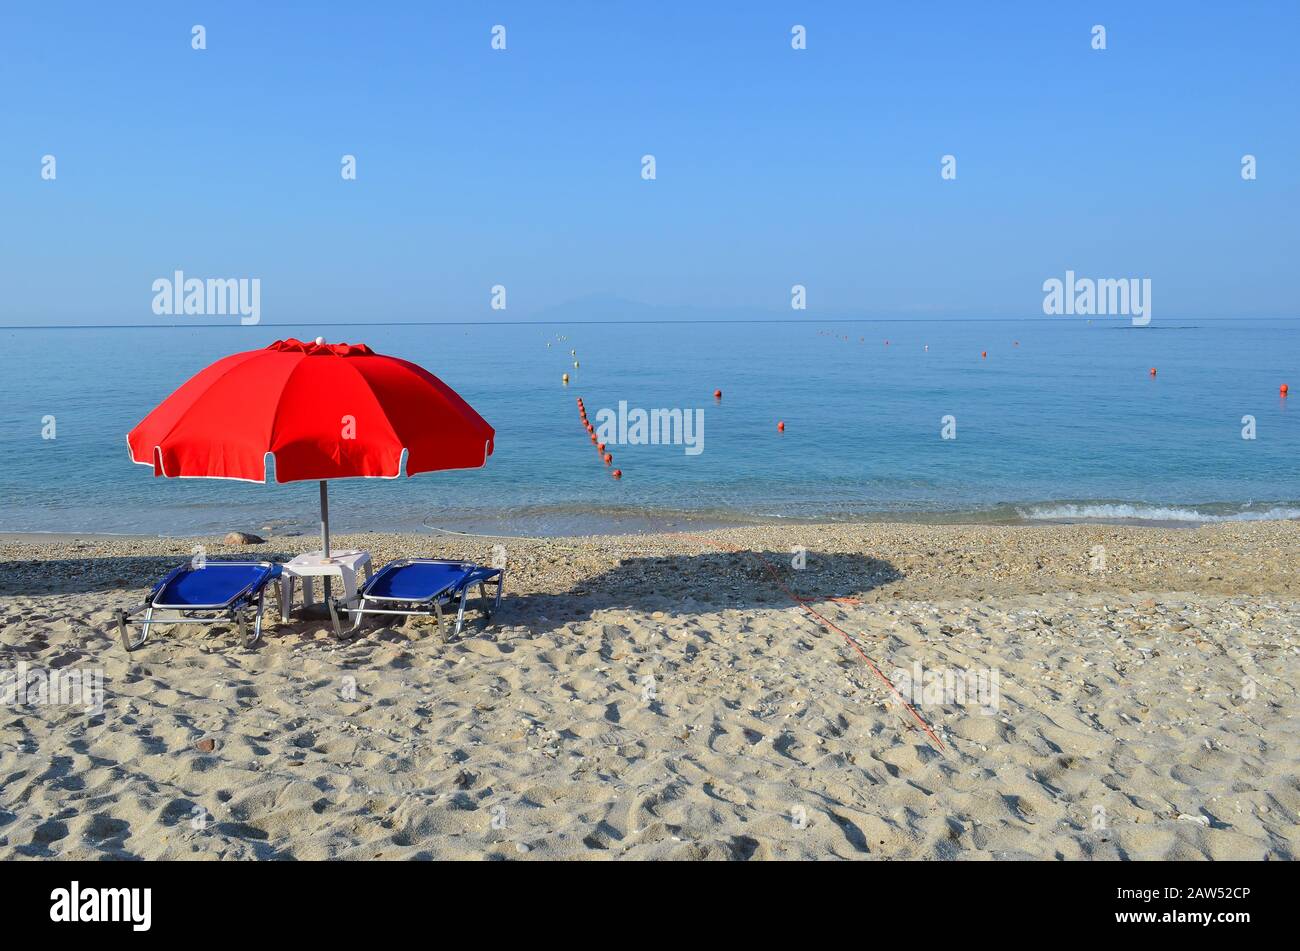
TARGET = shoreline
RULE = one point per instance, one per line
(657, 524)
(926, 560)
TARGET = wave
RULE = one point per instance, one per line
(1137, 511)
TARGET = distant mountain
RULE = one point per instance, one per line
(610, 307)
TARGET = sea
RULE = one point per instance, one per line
(986, 421)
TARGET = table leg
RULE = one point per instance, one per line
(286, 596)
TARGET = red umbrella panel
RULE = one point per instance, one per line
(323, 411)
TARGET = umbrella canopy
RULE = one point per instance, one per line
(322, 411)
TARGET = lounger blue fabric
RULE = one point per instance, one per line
(216, 583)
(421, 580)
(421, 587)
(219, 592)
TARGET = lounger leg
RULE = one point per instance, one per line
(437, 614)
(257, 622)
(492, 607)
(144, 626)
(355, 616)
(460, 613)
(124, 630)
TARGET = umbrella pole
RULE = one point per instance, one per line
(325, 520)
(325, 532)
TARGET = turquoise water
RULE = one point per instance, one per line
(1066, 425)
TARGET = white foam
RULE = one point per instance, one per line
(1115, 511)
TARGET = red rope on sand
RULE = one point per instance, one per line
(831, 625)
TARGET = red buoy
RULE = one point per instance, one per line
(1283, 389)
(600, 447)
(1153, 371)
(617, 473)
(717, 394)
(984, 353)
(608, 458)
(780, 427)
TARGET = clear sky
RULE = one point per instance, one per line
(522, 167)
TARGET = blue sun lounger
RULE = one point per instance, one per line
(420, 587)
(210, 592)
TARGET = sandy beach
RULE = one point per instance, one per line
(679, 696)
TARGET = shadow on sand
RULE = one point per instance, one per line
(669, 583)
(704, 582)
(87, 575)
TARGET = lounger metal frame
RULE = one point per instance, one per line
(253, 595)
(430, 607)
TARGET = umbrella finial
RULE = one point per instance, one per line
(320, 341)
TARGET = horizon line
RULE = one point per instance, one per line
(637, 320)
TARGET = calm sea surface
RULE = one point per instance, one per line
(1067, 424)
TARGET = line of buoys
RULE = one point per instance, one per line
(605, 457)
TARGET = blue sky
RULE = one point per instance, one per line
(478, 167)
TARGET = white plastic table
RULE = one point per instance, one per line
(344, 564)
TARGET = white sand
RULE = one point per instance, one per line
(656, 698)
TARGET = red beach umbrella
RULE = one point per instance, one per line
(321, 411)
